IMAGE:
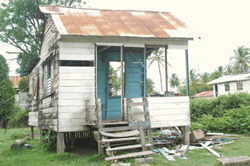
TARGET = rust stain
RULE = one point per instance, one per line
(117, 22)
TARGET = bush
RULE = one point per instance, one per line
(219, 106)
(19, 118)
(234, 121)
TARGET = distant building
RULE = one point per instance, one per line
(231, 84)
(205, 94)
(15, 81)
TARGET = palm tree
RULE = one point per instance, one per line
(241, 59)
(193, 75)
(158, 57)
(174, 81)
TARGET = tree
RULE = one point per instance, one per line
(174, 81)
(150, 87)
(7, 93)
(23, 85)
(205, 77)
(158, 57)
(23, 27)
(193, 75)
(241, 60)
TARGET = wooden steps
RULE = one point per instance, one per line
(106, 140)
(121, 134)
(130, 155)
(127, 147)
(120, 128)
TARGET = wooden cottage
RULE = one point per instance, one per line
(72, 86)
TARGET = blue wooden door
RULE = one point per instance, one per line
(134, 73)
(134, 84)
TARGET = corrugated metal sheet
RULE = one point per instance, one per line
(99, 22)
(230, 78)
(204, 94)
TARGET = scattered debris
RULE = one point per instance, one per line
(210, 150)
(171, 154)
(144, 160)
(20, 144)
(167, 136)
(120, 164)
(197, 135)
(241, 160)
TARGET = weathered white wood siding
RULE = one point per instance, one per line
(169, 111)
(233, 88)
(76, 87)
(76, 51)
(33, 119)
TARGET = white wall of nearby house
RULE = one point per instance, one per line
(232, 88)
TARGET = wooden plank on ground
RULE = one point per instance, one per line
(130, 155)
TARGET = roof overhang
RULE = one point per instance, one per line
(172, 43)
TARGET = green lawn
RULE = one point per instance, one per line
(38, 156)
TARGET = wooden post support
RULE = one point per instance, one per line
(60, 143)
(99, 114)
(186, 135)
(187, 128)
(32, 131)
(142, 137)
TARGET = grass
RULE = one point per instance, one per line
(39, 156)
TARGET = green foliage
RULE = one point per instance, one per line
(22, 26)
(241, 60)
(200, 107)
(24, 84)
(19, 118)
(4, 70)
(230, 113)
(7, 93)
(15, 136)
(234, 121)
(150, 87)
(49, 140)
(174, 81)
(218, 107)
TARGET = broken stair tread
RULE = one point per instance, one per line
(119, 139)
(127, 147)
(121, 128)
(130, 155)
(121, 134)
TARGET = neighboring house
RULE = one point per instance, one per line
(205, 94)
(231, 84)
(15, 81)
(72, 88)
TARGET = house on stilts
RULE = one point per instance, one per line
(73, 89)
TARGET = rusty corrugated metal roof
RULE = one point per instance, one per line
(102, 22)
(205, 94)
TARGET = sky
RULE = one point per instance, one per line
(218, 27)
